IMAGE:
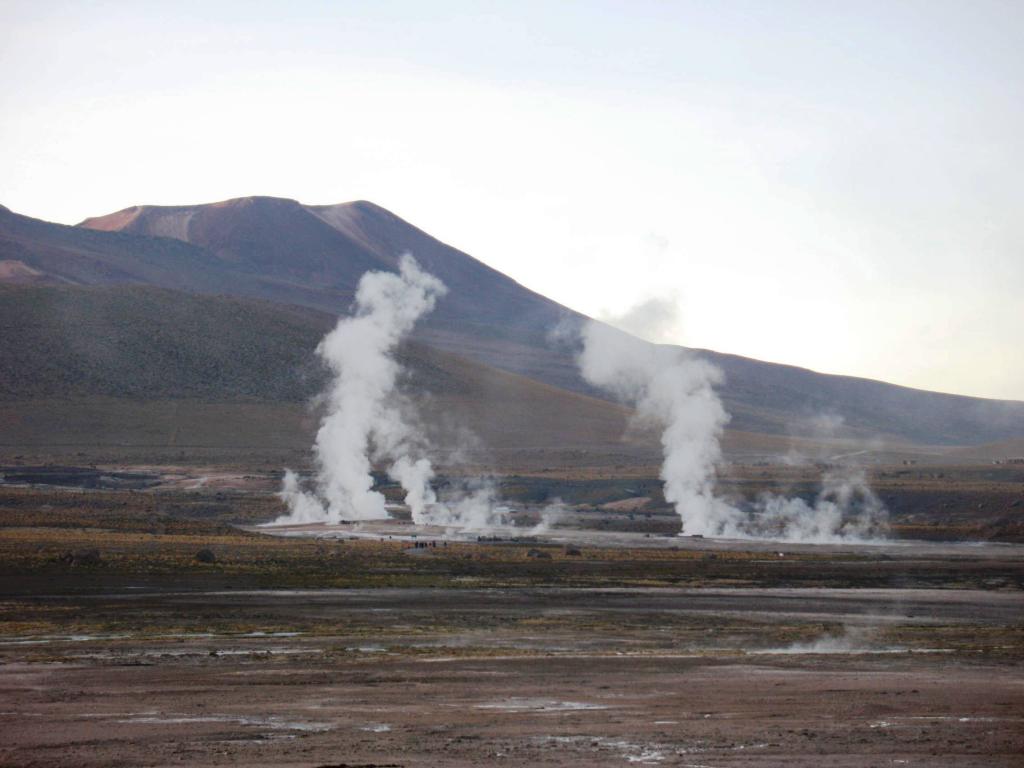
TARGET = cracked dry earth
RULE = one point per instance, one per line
(410, 677)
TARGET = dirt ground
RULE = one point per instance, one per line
(407, 677)
(120, 646)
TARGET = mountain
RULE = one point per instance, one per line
(99, 367)
(313, 256)
(486, 314)
(63, 255)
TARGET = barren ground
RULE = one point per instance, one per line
(119, 648)
(525, 677)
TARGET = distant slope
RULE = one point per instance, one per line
(495, 320)
(150, 343)
(14, 272)
(62, 255)
(334, 245)
(78, 256)
(269, 237)
(101, 354)
(313, 256)
(1009, 449)
(770, 397)
(326, 249)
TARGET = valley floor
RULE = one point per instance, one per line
(411, 677)
(154, 626)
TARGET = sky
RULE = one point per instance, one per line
(835, 185)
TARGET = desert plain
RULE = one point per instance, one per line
(605, 640)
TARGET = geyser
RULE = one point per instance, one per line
(367, 421)
(675, 390)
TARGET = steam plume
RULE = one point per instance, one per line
(365, 420)
(368, 422)
(472, 505)
(673, 389)
(845, 507)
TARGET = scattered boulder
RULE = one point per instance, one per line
(539, 554)
(573, 551)
(206, 556)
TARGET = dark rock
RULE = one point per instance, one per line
(206, 556)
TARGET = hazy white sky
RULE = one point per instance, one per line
(836, 185)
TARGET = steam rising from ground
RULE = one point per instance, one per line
(852, 639)
(845, 509)
(369, 423)
(673, 389)
(365, 420)
(472, 505)
(549, 516)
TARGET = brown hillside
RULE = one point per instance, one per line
(163, 371)
(312, 256)
(493, 319)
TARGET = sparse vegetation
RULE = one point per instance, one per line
(151, 540)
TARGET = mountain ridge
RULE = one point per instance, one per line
(313, 256)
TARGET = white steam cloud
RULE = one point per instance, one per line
(472, 505)
(549, 516)
(366, 420)
(675, 390)
(369, 423)
(845, 509)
